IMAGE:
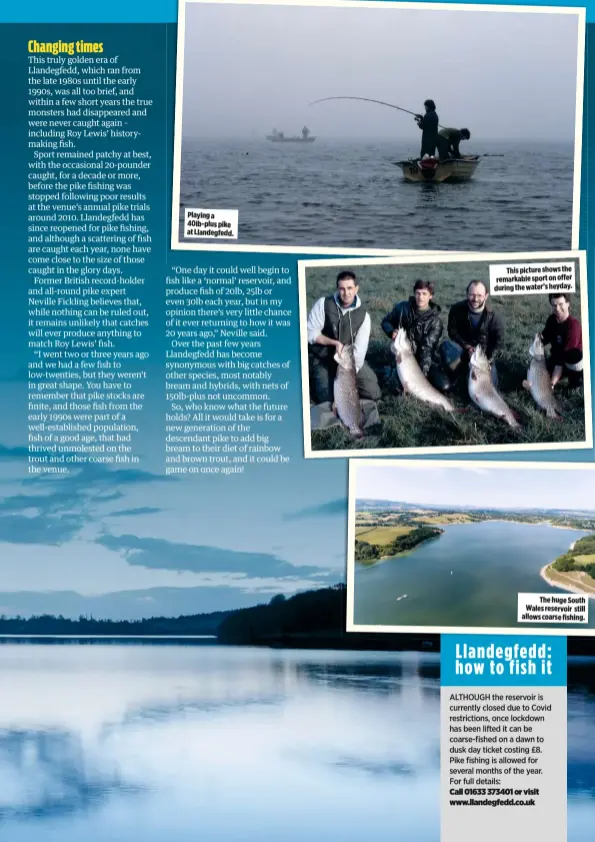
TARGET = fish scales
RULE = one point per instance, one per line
(482, 391)
(538, 380)
(412, 377)
(346, 395)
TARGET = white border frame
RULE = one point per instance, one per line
(480, 257)
(534, 629)
(177, 244)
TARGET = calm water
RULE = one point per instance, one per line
(176, 743)
(491, 562)
(349, 194)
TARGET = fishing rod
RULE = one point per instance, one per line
(364, 99)
(397, 108)
(367, 99)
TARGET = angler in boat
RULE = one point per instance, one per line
(448, 141)
(450, 165)
(428, 123)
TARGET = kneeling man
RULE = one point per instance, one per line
(337, 320)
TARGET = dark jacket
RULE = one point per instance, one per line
(429, 126)
(424, 328)
(489, 332)
(452, 137)
(564, 337)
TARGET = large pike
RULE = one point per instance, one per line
(346, 396)
(538, 380)
(483, 392)
(412, 377)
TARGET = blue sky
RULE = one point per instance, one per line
(475, 485)
(505, 75)
(99, 534)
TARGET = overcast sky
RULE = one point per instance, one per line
(478, 486)
(250, 68)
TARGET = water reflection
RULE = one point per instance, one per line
(44, 774)
(178, 743)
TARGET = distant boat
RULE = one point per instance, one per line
(431, 170)
(279, 137)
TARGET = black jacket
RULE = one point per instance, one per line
(429, 126)
(489, 333)
(424, 328)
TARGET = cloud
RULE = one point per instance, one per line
(54, 509)
(328, 509)
(13, 453)
(160, 554)
(141, 510)
(53, 531)
(101, 476)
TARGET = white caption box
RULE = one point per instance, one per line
(203, 223)
(552, 608)
(532, 278)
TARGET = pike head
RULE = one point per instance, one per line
(537, 351)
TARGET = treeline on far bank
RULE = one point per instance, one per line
(583, 547)
(312, 619)
(49, 624)
(367, 553)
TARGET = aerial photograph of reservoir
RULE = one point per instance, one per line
(452, 545)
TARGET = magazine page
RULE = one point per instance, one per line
(297, 470)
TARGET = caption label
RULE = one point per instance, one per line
(552, 608)
(205, 222)
(531, 278)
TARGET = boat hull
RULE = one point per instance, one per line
(274, 139)
(459, 169)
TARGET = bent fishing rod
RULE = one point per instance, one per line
(367, 99)
(397, 108)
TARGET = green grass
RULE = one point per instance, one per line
(382, 535)
(438, 519)
(583, 560)
(406, 422)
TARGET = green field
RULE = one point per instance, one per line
(583, 560)
(381, 535)
(445, 518)
(405, 422)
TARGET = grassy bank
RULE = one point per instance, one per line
(368, 553)
(405, 422)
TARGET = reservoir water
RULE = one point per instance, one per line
(469, 576)
(348, 193)
(170, 743)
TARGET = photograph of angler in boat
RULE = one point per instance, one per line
(437, 546)
(418, 354)
(370, 127)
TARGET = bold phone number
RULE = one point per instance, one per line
(488, 792)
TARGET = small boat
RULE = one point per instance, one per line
(279, 137)
(294, 139)
(435, 171)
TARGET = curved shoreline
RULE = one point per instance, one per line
(568, 588)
